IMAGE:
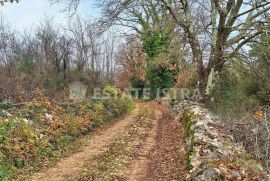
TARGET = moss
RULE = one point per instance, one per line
(5, 106)
(189, 166)
(212, 165)
(190, 154)
(239, 161)
(187, 123)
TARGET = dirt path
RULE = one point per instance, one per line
(138, 170)
(156, 159)
(68, 168)
(168, 158)
(159, 158)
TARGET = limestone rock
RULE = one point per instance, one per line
(213, 153)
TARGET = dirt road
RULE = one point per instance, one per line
(157, 158)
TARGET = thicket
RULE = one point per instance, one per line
(245, 82)
(51, 56)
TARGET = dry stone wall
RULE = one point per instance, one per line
(213, 154)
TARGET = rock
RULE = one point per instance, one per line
(27, 121)
(6, 113)
(213, 174)
(236, 175)
(210, 174)
(216, 143)
(213, 153)
(49, 117)
(199, 178)
(195, 163)
(267, 178)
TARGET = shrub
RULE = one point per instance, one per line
(160, 77)
(237, 93)
(5, 106)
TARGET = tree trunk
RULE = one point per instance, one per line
(202, 77)
(198, 60)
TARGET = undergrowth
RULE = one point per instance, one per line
(41, 130)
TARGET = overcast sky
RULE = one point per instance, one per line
(27, 13)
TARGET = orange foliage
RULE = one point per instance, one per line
(132, 61)
(184, 77)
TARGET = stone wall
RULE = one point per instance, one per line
(212, 152)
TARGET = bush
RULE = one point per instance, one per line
(5, 106)
(138, 84)
(234, 94)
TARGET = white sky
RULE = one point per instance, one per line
(27, 13)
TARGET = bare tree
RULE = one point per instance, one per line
(131, 57)
(85, 38)
(109, 63)
(46, 55)
(7, 40)
(2, 2)
(216, 30)
(7, 43)
(64, 48)
(227, 25)
(48, 34)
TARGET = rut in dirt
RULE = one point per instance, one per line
(139, 167)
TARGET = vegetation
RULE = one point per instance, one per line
(244, 84)
(42, 130)
(220, 48)
(51, 56)
(187, 123)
